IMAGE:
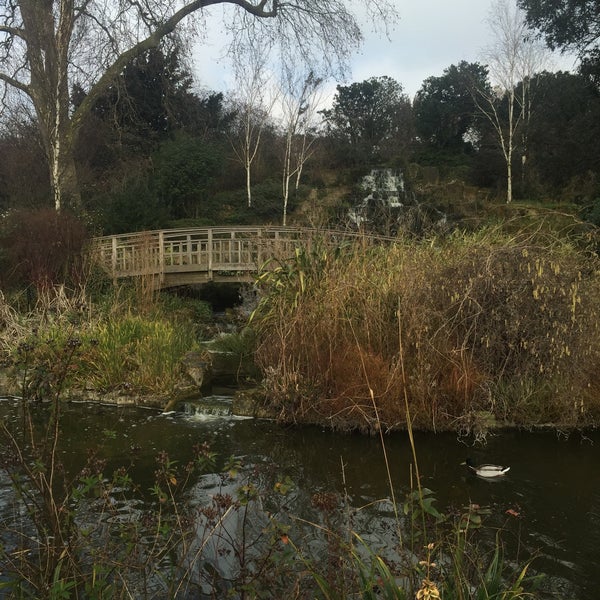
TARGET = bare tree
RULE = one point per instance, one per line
(47, 45)
(300, 100)
(513, 60)
(255, 98)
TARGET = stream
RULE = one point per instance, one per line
(552, 492)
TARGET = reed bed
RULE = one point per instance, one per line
(497, 329)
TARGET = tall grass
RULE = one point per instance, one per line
(437, 555)
(121, 347)
(496, 327)
(137, 353)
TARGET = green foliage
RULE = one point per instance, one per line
(241, 343)
(563, 138)
(231, 207)
(152, 98)
(572, 25)
(267, 205)
(459, 564)
(372, 119)
(133, 207)
(119, 350)
(137, 353)
(184, 174)
(445, 106)
(592, 214)
(183, 309)
(23, 169)
(128, 352)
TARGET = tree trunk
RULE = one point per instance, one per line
(509, 179)
(48, 47)
(64, 181)
(248, 182)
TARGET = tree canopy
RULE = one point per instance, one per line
(369, 115)
(445, 107)
(565, 24)
(572, 25)
(47, 46)
(564, 131)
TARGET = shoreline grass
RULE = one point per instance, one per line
(497, 328)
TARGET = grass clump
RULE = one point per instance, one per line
(137, 353)
(495, 326)
(121, 347)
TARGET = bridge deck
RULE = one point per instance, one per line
(186, 256)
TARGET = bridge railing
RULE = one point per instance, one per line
(205, 251)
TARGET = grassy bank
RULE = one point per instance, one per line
(123, 344)
(469, 331)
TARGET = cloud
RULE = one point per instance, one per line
(430, 36)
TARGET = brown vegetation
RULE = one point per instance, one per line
(42, 248)
(476, 329)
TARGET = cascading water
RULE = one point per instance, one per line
(385, 189)
(389, 207)
(208, 407)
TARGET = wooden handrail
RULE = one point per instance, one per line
(200, 253)
(195, 255)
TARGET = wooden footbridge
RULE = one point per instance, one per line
(175, 257)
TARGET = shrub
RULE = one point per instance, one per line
(185, 173)
(42, 248)
(133, 207)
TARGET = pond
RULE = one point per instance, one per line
(552, 492)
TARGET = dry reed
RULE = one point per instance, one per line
(484, 317)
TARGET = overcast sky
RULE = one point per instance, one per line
(430, 36)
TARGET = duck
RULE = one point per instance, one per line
(486, 471)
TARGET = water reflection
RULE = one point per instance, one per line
(552, 491)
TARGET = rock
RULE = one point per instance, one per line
(197, 368)
(252, 403)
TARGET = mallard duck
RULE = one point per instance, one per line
(486, 470)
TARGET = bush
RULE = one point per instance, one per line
(185, 172)
(134, 207)
(42, 248)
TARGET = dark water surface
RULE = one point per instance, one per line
(553, 484)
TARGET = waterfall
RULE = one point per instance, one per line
(209, 407)
(385, 191)
(388, 207)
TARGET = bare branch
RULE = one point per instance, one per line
(15, 83)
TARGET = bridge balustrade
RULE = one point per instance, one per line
(183, 256)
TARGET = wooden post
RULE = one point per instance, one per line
(209, 245)
(114, 259)
(161, 257)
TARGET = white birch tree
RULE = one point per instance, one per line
(300, 101)
(513, 59)
(255, 97)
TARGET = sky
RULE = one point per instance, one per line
(430, 36)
